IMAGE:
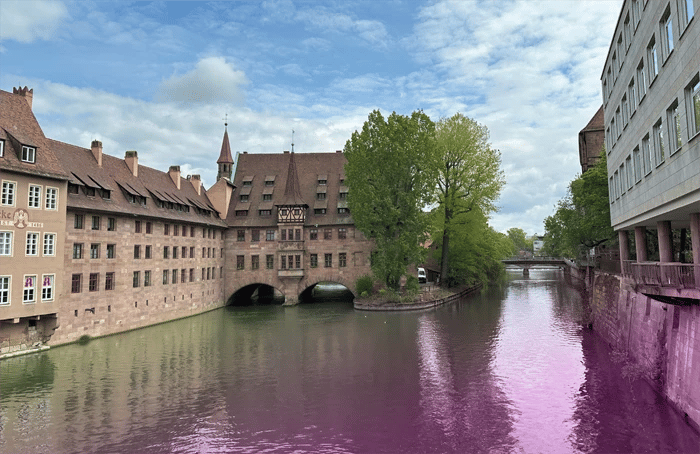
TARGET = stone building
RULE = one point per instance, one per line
(591, 140)
(651, 101)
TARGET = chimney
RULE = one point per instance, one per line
(97, 151)
(132, 161)
(196, 183)
(174, 173)
(27, 93)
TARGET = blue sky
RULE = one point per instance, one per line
(159, 77)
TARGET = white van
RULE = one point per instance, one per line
(422, 278)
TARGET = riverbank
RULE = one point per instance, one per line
(425, 300)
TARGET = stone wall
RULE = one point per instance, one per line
(661, 341)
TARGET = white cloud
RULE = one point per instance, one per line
(212, 79)
(28, 20)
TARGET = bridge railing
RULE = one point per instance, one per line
(679, 275)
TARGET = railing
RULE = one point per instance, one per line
(680, 275)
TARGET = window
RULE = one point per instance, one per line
(321, 196)
(247, 183)
(264, 212)
(166, 277)
(184, 252)
(313, 260)
(95, 251)
(342, 260)
(623, 178)
(148, 251)
(652, 60)
(34, 196)
(137, 226)
(204, 252)
(76, 283)
(173, 273)
(630, 172)
(270, 235)
(73, 188)
(204, 273)
(319, 211)
(149, 226)
(659, 143)
(270, 262)
(93, 282)
(241, 212)
(647, 157)
(636, 13)
(166, 229)
(51, 202)
(8, 193)
(342, 233)
(166, 252)
(6, 243)
(136, 281)
(32, 244)
(191, 252)
(111, 224)
(625, 111)
(632, 94)
(297, 261)
(627, 31)
(343, 196)
(241, 235)
(254, 262)
(137, 251)
(47, 287)
(637, 165)
(174, 252)
(77, 250)
(184, 230)
(616, 184)
(685, 13)
(183, 275)
(313, 234)
(641, 81)
(111, 251)
(2, 148)
(666, 33)
(297, 235)
(692, 102)
(28, 154)
(244, 197)
(328, 260)
(176, 230)
(191, 274)
(674, 128)
(283, 265)
(240, 262)
(255, 235)
(267, 197)
(147, 278)
(618, 122)
(614, 66)
(105, 194)
(343, 210)
(4, 289)
(109, 281)
(29, 293)
(327, 234)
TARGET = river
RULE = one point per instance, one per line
(509, 371)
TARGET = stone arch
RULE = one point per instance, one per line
(254, 290)
(331, 278)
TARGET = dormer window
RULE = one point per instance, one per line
(247, 183)
(267, 197)
(244, 197)
(322, 181)
(28, 154)
(2, 148)
(90, 192)
(105, 194)
(343, 196)
(73, 188)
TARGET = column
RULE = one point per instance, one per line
(640, 243)
(665, 246)
(695, 245)
(624, 248)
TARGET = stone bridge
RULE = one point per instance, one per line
(527, 263)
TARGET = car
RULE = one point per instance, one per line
(422, 277)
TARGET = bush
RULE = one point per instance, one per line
(364, 285)
(84, 339)
(412, 285)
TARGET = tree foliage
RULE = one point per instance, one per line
(390, 183)
(520, 240)
(582, 217)
(468, 175)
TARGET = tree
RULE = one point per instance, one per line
(520, 240)
(582, 217)
(389, 184)
(468, 175)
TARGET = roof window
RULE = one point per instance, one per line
(28, 154)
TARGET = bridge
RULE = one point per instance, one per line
(527, 263)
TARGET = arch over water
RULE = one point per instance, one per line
(326, 291)
(256, 294)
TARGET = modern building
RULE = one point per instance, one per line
(651, 102)
(591, 140)
(91, 244)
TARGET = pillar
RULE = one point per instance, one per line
(695, 244)
(665, 246)
(640, 243)
(623, 239)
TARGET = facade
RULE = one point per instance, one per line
(591, 140)
(651, 96)
(91, 244)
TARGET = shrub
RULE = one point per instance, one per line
(364, 284)
(412, 285)
(84, 339)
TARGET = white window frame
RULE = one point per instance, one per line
(659, 152)
(641, 82)
(29, 292)
(47, 291)
(638, 164)
(32, 244)
(692, 101)
(51, 198)
(28, 154)
(686, 11)
(5, 290)
(2, 148)
(647, 154)
(666, 33)
(49, 248)
(675, 141)
(34, 196)
(9, 192)
(632, 95)
(652, 59)
(6, 240)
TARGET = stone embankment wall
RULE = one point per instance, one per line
(661, 341)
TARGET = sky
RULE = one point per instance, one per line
(161, 78)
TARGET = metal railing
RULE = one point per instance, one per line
(679, 275)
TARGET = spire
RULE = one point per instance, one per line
(225, 160)
(292, 192)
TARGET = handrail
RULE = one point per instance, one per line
(664, 274)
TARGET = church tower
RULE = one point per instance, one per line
(225, 160)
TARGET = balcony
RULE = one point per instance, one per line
(675, 275)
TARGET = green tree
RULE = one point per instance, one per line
(520, 240)
(582, 217)
(389, 184)
(469, 177)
